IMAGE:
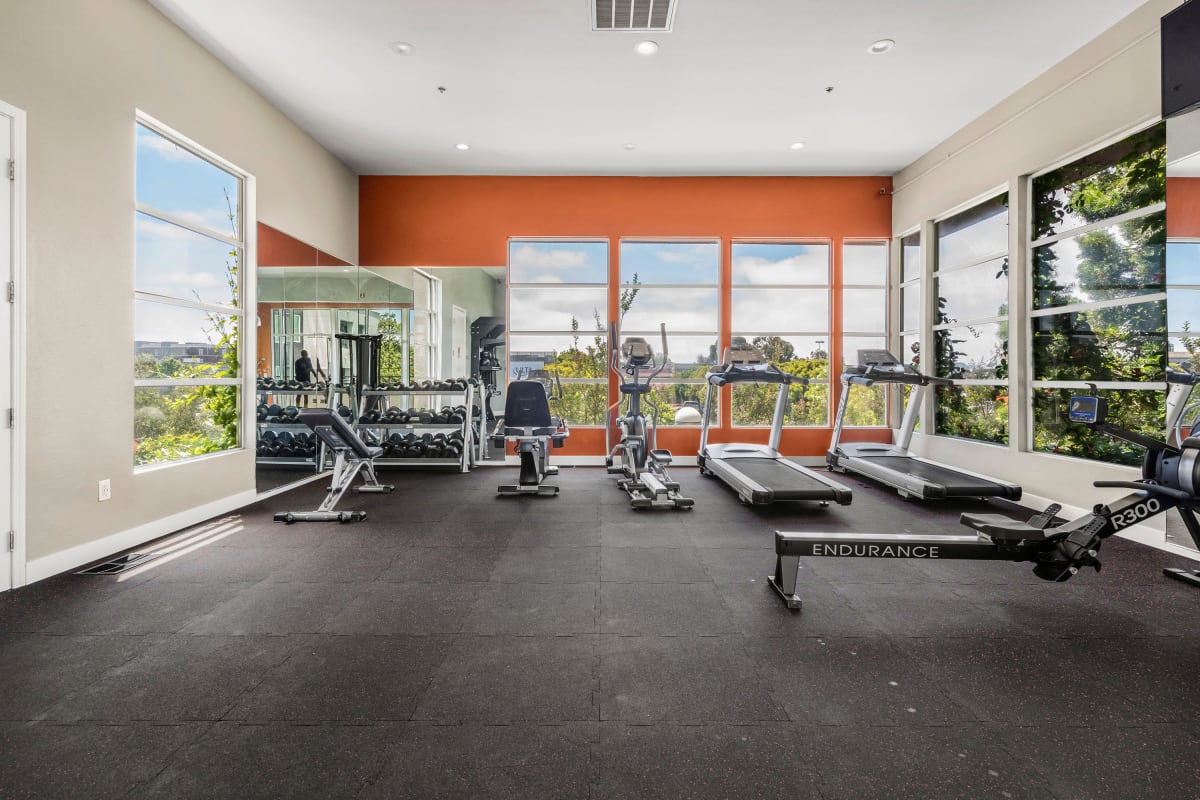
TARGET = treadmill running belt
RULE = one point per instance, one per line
(784, 482)
(956, 483)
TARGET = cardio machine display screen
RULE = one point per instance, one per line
(1087, 410)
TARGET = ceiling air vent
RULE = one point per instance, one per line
(632, 15)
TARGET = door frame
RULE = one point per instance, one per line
(17, 345)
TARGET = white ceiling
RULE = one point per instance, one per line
(534, 91)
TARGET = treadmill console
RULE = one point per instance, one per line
(743, 355)
(877, 358)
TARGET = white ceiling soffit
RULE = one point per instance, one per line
(632, 15)
(533, 89)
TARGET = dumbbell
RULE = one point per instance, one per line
(262, 413)
(345, 413)
(291, 412)
(269, 437)
(274, 410)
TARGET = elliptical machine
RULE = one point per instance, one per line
(636, 456)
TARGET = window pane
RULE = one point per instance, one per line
(781, 350)
(910, 255)
(173, 179)
(1122, 177)
(175, 262)
(973, 293)
(910, 306)
(681, 404)
(176, 422)
(1141, 411)
(1183, 262)
(852, 344)
(1124, 260)
(754, 404)
(670, 262)
(1122, 343)
(865, 263)
(1183, 310)
(175, 342)
(974, 234)
(692, 310)
(973, 412)
(864, 310)
(780, 310)
(780, 264)
(973, 351)
(557, 309)
(557, 262)
(571, 358)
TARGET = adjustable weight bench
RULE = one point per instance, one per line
(527, 422)
(351, 456)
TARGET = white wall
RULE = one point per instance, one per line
(79, 69)
(1103, 91)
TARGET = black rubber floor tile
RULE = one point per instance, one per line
(234, 760)
(536, 609)
(929, 610)
(31, 609)
(276, 609)
(548, 534)
(736, 565)
(1158, 675)
(1135, 763)
(45, 760)
(502, 679)
(1076, 608)
(181, 679)
(646, 531)
(225, 564)
(682, 679)
(40, 670)
(1022, 681)
(151, 607)
(919, 763)
(857, 681)
(730, 535)
(652, 565)
(548, 565)
(757, 610)
(399, 609)
(663, 609)
(336, 564)
(442, 564)
(464, 534)
(703, 761)
(346, 679)
(522, 762)
(1168, 607)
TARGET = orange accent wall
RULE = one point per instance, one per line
(278, 249)
(1183, 207)
(451, 221)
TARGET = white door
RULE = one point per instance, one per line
(458, 343)
(7, 246)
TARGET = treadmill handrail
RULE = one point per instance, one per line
(723, 374)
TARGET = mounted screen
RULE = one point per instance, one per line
(1181, 59)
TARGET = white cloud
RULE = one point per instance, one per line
(148, 140)
(693, 254)
(528, 257)
(811, 267)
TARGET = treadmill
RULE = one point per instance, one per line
(892, 464)
(758, 473)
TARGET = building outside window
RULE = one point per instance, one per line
(970, 326)
(190, 246)
(1099, 311)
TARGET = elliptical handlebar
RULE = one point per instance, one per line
(662, 363)
(614, 347)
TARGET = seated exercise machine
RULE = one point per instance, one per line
(527, 423)
(351, 456)
(1170, 479)
(759, 473)
(892, 464)
(642, 465)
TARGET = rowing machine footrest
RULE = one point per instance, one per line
(1001, 528)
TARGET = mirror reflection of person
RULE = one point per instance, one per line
(306, 372)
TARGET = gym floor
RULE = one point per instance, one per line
(457, 644)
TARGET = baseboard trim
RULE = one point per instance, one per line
(75, 557)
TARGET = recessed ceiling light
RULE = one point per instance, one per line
(881, 46)
(402, 48)
(797, 145)
(462, 146)
(646, 48)
(629, 145)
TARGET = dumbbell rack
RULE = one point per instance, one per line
(317, 459)
(465, 397)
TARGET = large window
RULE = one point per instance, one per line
(1099, 294)
(910, 301)
(677, 284)
(864, 323)
(780, 303)
(558, 321)
(970, 325)
(1183, 299)
(187, 310)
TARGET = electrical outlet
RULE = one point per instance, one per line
(105, 490)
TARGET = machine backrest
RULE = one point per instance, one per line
(527, 406)
(333, 431)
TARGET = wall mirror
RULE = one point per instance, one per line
(432, 324)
